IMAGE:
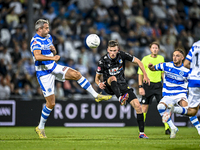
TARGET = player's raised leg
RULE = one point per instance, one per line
(189, 112)
(72, 74)
(112, 81)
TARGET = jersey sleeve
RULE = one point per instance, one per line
(100, 67)
(163, 60)
(127, 56)
(36, 45)
(160, 67)
(189, 55)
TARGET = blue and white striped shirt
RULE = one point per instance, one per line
(175, 78)
(42, 43)
(194, 57)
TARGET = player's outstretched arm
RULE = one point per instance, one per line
(40, 57)
(98, 81)
(187, 63)
(140, 64)
(151, 67)
(53, 50)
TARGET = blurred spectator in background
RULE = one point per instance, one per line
(12, 19)
(26, 93)
(17, 7)
(25, 53)
(130, 72)
(194, 10)
(38, 92)
(5, 35)
(160, 10)
(17, 36)
(173, 13)
(81, 67)
(50, 14)
(197, 31)
(59, 92)
(4, 88)
(16, 55)
(169, 48)
(29, 67)
(6, 57)
(3, 69)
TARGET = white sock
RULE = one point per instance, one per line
(85, 84)
(45, 114)
(180, 110)
(141, 132)
(161, 108)
(171, 124)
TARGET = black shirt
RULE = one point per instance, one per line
(114, 67)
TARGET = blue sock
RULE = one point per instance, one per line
(194, 120)
(45, 114)
(85, 84)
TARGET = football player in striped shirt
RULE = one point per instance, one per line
(174, 86)
(47, 70)
(191, 62)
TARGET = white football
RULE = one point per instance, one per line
(93, 41)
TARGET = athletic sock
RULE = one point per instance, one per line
(144, 114)
(180, 110)
(171, 124)
(161, 109)
(140, 121)
(115, 88)
(194, 120)
(85, 84)
(45, 114)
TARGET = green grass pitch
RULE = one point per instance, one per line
(124, 138)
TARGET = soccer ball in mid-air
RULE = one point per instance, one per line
(93, 41)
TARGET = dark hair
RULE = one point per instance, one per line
(112, 43)
(156, 43)
(181, 51)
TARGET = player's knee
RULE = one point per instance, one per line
(192, 112)
(77, 75)
(113, 78)
(52, 104)
(161, 106)
(136, 105)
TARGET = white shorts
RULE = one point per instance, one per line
(174, 99)
(47, 82)
(194, 97)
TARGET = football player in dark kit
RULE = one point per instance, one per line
(111, 66)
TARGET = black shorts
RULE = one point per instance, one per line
(154, 89)
(123, 90)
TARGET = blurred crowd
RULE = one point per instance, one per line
(133, 23)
